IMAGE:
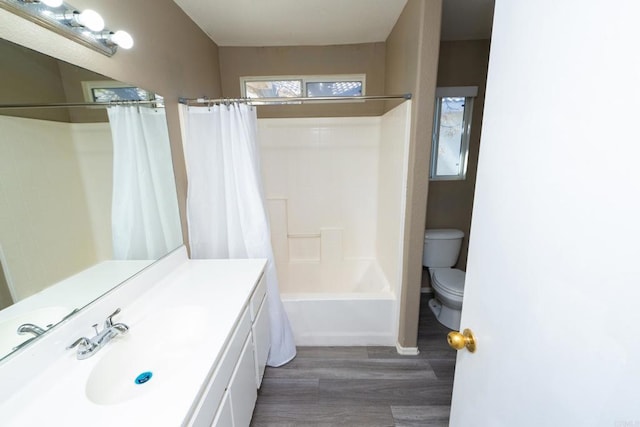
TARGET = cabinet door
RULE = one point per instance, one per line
(207, 407)
(242, 388)
(223, 416)
(261, 340)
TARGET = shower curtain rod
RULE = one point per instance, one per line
(280, 101)
(159, 104)
(206, 101)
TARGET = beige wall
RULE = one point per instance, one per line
(72, 78)
(367, 58)
(411, 66)
(462, 63)
(29, 78)
(171, 56)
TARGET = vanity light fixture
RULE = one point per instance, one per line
(52, 3)
(85, 27)
(87, 18)
(120, 38)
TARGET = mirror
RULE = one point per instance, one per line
(69, 231)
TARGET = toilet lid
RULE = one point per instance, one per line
(450, 279)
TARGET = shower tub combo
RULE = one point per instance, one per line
(336, 196)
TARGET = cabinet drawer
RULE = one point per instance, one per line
(206, 409)
(257, 297)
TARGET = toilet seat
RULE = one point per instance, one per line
(449, 281)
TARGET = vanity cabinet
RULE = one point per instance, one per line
(207, 357)
(231, 391)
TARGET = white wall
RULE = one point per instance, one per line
(43, 204)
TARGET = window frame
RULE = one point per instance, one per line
(468, 93)
(304, 79)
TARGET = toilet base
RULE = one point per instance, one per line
(445, 315)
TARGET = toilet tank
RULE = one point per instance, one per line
(441, 247)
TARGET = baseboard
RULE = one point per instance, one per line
(426, 290)
(407, 351)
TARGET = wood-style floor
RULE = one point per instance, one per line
(362, 386)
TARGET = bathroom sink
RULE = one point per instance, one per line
(143, 360)
(43, 317)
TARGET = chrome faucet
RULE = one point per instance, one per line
(29, 328)
(88, 347)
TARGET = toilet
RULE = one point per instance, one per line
(441, 250)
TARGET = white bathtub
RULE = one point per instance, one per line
(347, 304)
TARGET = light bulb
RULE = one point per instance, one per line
(122, 39)
(91, 19)
(52, 3)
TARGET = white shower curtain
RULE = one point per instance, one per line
(144, 215)
(225, 205)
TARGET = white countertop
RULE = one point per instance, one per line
(80, 289)
(221, 287)
(52, 304)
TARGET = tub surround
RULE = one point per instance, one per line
(335, 190)
(203, 313)
(57, 197)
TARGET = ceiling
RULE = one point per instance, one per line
(324, 22)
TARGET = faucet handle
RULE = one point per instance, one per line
(85, 342)
(109, 322)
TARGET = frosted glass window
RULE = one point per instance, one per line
(338, 88)
(273, 88)
(107, 94)
(302, 86)
(111, 90)
(450, 148)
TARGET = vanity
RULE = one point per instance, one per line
(194, 354)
